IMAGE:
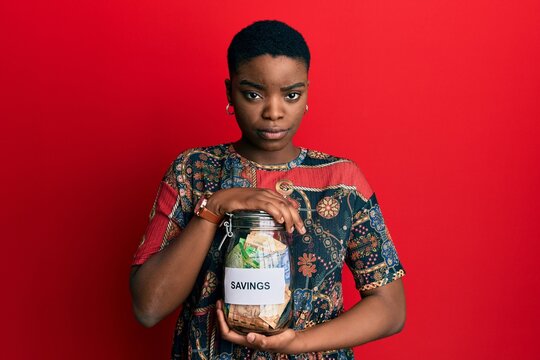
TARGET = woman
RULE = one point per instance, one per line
(178, 262)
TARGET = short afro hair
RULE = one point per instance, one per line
(266, 37)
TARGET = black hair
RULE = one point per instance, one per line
(266, 37)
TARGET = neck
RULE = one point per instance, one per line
(267, 157)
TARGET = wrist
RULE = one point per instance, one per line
(202, 210)
(299, 344)
(213, 204)
(302, 341)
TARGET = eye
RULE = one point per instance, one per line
(251, 95)
(293, 96)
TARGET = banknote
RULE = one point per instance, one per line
(259, 250)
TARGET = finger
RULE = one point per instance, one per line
(285, 204)
(258, 341)
(273, 193)
(285, 209)
(225, 331)
(223, 326)
(279, 342)
(293, 209)
(292, 217)
(272, 207)
(282, 210)
(245, 198)
(297, 220)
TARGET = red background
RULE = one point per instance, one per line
(436, 100)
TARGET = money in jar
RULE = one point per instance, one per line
(258, 277)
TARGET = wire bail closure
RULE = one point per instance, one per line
(227, 223)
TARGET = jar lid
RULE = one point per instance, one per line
(254, 219)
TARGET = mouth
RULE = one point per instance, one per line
(272, 133)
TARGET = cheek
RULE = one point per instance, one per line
(244, 115)
(243, 107)
(245, 118)
(299, 114)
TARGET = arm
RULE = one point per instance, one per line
(165, 280)
(380, 313)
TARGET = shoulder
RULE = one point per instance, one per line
(201, 158)
(340, 169)
(315, 158)
(193, 161)
(203, 153)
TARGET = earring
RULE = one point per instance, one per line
(307, 108)
(227, 109)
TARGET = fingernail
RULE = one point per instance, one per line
(251, 338)
(281, 220)
(291, 230)
(303, 230)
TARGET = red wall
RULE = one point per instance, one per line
(436, 100)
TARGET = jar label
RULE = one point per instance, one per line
(254, 286)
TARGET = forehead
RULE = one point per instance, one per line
(267, 69)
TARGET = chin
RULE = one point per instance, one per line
(274, 145)
(270, 145)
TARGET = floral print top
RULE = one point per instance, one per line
(344, 226)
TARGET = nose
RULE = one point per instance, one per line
(273, 109)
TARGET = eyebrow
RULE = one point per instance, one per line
(262, 87)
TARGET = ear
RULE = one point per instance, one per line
(228, 90)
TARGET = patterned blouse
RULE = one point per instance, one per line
(343, 222)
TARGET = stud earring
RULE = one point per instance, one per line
(307, 108)
(227, 109)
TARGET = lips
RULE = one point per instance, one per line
(272, 133)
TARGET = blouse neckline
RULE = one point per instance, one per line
(284, 166)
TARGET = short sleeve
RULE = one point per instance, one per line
(169, 214)
(371, 254)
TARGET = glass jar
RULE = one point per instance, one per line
(258, 276)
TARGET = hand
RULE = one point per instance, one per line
(287, 342)
(282, 210)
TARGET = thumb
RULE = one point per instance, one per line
(257, 340)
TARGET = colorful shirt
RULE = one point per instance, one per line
(343, 222)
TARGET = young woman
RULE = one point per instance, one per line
(178, 262)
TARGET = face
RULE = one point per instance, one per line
(269, 95)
